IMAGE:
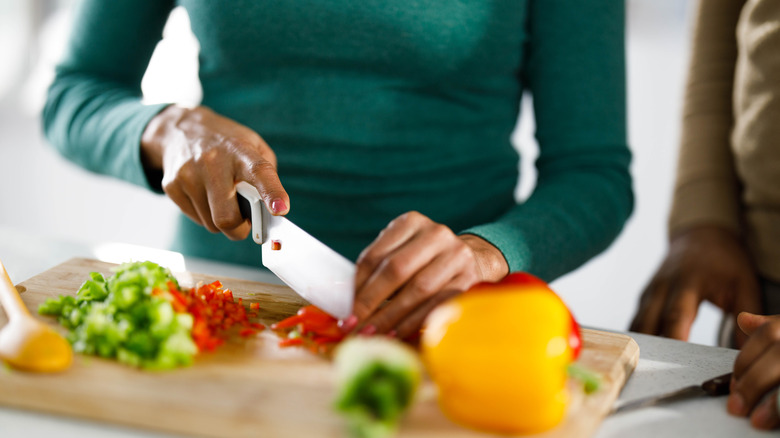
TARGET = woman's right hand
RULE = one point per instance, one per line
(202, 156)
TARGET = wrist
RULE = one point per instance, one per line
(153, 139)
(491, 263)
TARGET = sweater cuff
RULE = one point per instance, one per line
(515, 251)
(136, 173)
(705, 202)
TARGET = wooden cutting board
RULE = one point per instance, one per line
(252, 387)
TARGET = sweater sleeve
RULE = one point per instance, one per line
(94, 114)
(707, 188)
(575, 71)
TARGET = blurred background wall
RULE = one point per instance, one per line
(45, 195)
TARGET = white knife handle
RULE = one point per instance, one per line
(248, 194)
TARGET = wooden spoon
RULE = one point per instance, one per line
(25, 342)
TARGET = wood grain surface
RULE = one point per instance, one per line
(251, 387)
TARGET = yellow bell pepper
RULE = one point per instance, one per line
(498, 354)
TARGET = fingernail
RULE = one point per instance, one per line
(368, 330)
(278, 206)
(762, 417)
(346, 325)
(392, 334)
(736, 405)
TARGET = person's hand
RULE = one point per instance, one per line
(757, 372)
(202, 156)
(703, 263)
(416, 264)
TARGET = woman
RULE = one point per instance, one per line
(382, 129)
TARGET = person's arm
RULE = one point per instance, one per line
(707, 259)
(707, 189)
(95, 116)
(576, 75)
(94, 113)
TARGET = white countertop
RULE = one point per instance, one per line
(663, 364)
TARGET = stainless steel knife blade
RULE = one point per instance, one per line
(313, 270)
(714, 387)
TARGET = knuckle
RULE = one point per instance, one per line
(227, 221)
(421, 289)
(186, 172)
(394, 269)
(237, 145)
(470, 278)
(368, 258)
(361, 308)
(464, 253)
(772, 331)
(261, 167)
(409, 218)
(210, 157)
(440, 231)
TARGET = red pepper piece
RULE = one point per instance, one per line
(289, 342)
(246, 332)
(287, 323)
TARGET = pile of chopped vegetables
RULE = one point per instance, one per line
(214, 312)
(141, 317)
(311, 327)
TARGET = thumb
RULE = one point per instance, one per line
(749, 322)
(747, 301)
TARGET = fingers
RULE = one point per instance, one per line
(393, 236)
(765, 416)
(405, 249)
(747, 299)
(648, 316)
(412, 266)
(760, 341)
(445, 273)
(204, 156)
(259, 170)
(750, 322)
(761, 376)
(412, 323)
(680, 312)
(183, 202)
(223, 204)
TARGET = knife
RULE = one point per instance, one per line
(314, 271)
(714, 387)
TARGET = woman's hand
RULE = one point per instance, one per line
(416, 263)
(757, 371)
(202, 156)
(703, 263)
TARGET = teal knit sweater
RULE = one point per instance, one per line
(375, 108)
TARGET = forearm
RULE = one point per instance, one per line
(571, 217)
(97, 125)
(707, 188)
(94, 114)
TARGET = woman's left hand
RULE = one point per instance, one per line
(757, 372)
(416, 263)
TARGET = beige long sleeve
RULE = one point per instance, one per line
(707, 190)
(756, 136)
(729, 165)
